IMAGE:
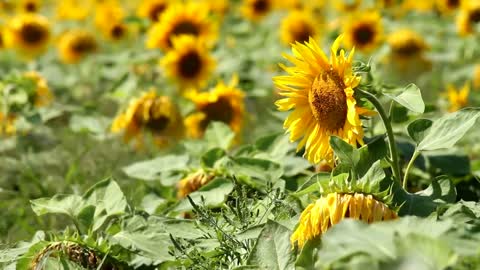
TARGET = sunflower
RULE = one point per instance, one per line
(406, 44)
(116, 31)
(447, 7)
(468, 18)
(43, 95)
(458, 98)
(181, 19)
(29, 6)
(256, 9)
(364, 31)
(156, 114)
(28, 33)
(193, 182)
(346, 6)
(107, 14)
(321, 93)
(419, 6)
(72, 9)
(219, 7)
(329, 210)
(189, 62)
(223, 103)
(74, 45)
(7, 124)
(152, 9)
(298, 26)
(476, 76)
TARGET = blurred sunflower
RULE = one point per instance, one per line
(107, 14)
(117, 31)
(73, 9)
(29, 6)
(363, 31)
(406, 45)
(468, 18)
(298, 26)
(256, 9)
(321, 93)
(74, 45)
(329, 210)
(218, 7)
(182, 19)
(457, 98)
(193, 182)
(152, 9)
(189, 62)
(156, 114)
(448, 7)
(7, 124)
(416, 5)
(2, 41)
(345, 6)
(223, 103)
(476, 76)
(43, 95)
(28, 33)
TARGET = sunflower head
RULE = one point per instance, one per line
(448, 7)
(298, 26)
(43, 95)
(418, 6)
(108, 13)
(346, 6)
(152, 9)
(150, 113)
(224, 103)
(469, 18)
(116, 31)
(320, 92)
(406, 44)
(193, 182)
(189, 62)
(29, 6)
(363, 31)
(74, 45)
(28, 33)
(256, 9)
(458, 98)
(72, 10)
(182, 19)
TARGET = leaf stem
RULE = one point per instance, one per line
(410, 163)
(388, 126)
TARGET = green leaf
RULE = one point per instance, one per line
(344, 151)
(410, 97)
(262, 170)
(210, 157)
(418, 129)
(314, 184)
(150, 169)
(212, 194)
(273, 249)
(219, 134)
(447, 130)
(69, 205)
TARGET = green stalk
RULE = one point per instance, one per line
(410, 163)
(388, 126)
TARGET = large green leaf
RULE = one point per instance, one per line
(447, 130)
(219, 134)
(211, 195)
(150, 169)
(410, 97)
(273, 249)
(261, 170)
(418, 129)
(69, 205)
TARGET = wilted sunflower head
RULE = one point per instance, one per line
(43, 95)
(155, 114)
(74, 45)
(223, 103)
(448, 7)
(458, 98)
(73, 9)
(332, 208)
(298, 26)
(256, 9)
(189, 62)
(29, 6)
(28, 33)
(193, 182)
(363, 31)
(182, 19)
(469, 18)
(152, 9)
(406, 44)
(320, 92)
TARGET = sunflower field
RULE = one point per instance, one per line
(241, 134)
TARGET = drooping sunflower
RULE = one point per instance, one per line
(448, 7)
(406, 44)
(152, 9)
(468, 18)
(256, 9)
(29, 34)
(224, 103)
(193, 182)
(43, 95)
(321, 93)
(73, 9)
(329, 210)
(29, 6)
(364, 31)
(182, 19)
(457, 98)
(151, 113)
(74, 45)
(298, 26)
(189, 62)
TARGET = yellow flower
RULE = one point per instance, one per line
(152, 9)
(117, 31)
(29, 6)
(43, 96)
(476, 77)
(223, 103)
(416, 5)
(107, 14)
(7, 124)
(73, 9)
(447, 7)
(181, 19)
(28, 33)
(298, 26)
(189, 62)
(193, 182)
(329, 210)
(468, 18)
(156, 114)
(321, 93)
(363, 31)
(219, 7)
(406, 44)
(346, 6)
(458, 98)
(74, 45)
(256, 9)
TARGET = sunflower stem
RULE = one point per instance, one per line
(388, 126)
(410, 163)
